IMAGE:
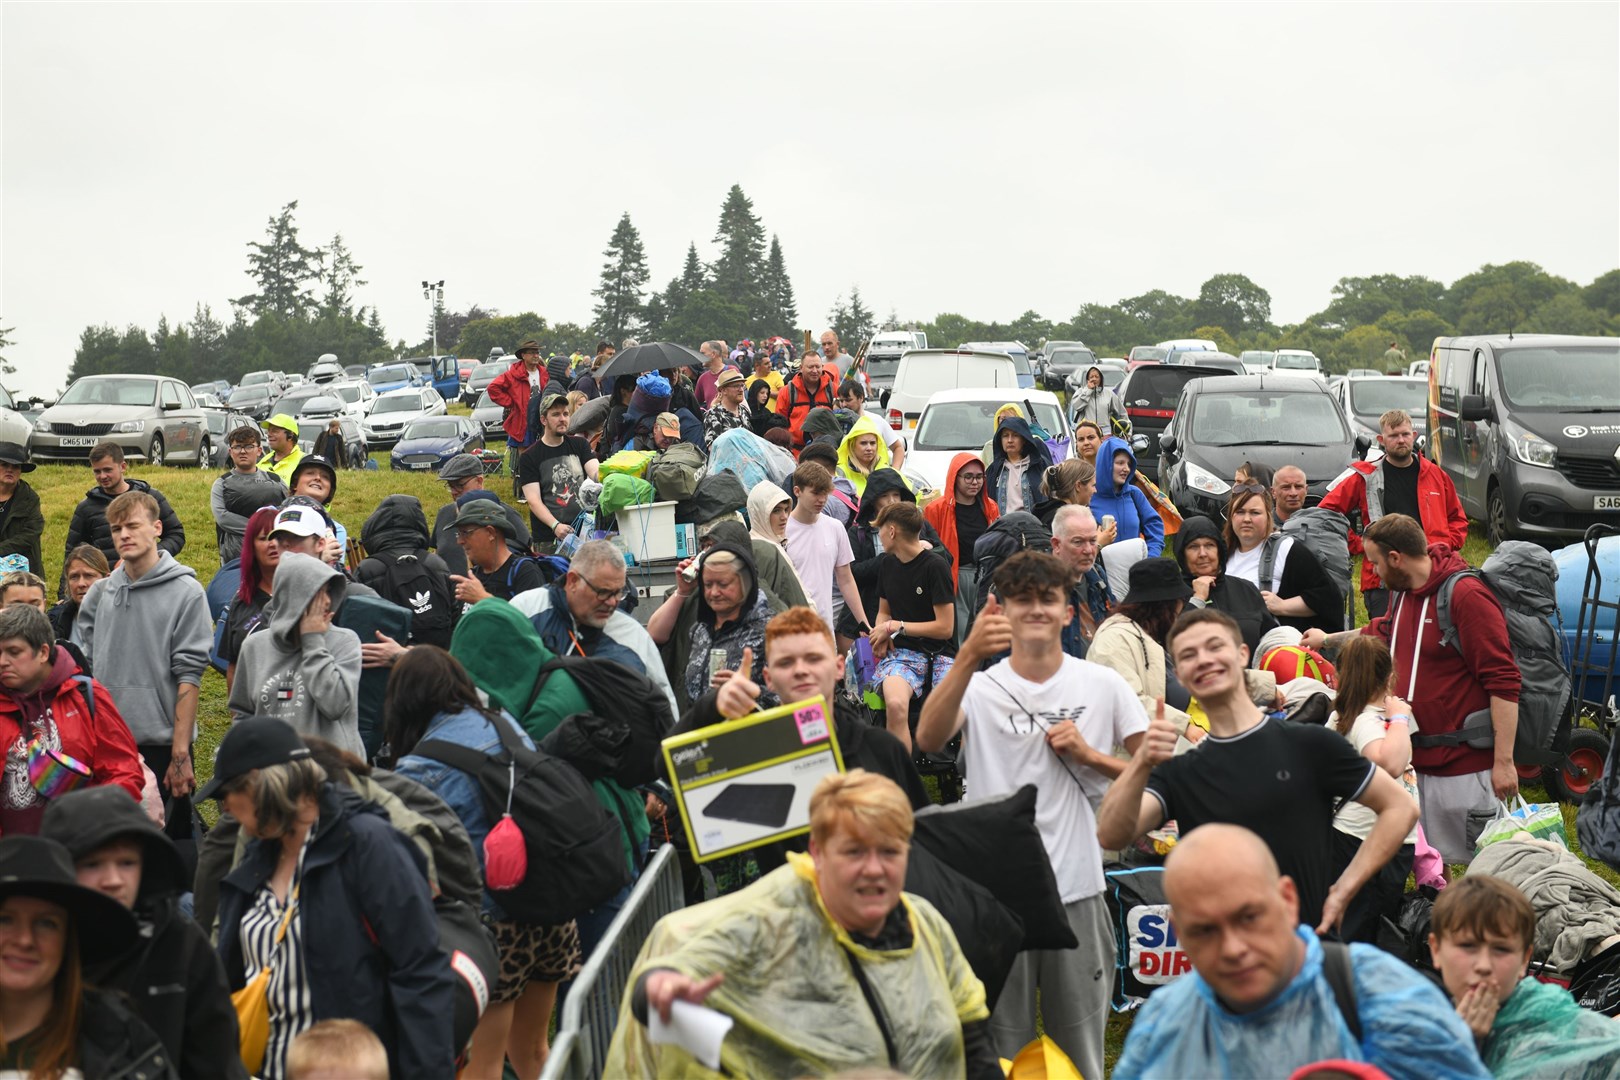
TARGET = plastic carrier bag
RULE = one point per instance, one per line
(1543, 821)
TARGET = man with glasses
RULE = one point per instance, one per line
(484, 535)
(1074, 540)
(579, 615)
(464, 474)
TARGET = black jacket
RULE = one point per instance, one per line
(89, 525)
(171, 976)
(863, 543)
(370, 934)
(454, 555)
(398, 526)
(1230, 595)
(22, 527)
(115, 1045)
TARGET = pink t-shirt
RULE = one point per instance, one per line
(706, 389)
(817, 551)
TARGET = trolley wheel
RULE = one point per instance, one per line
(1581, 769)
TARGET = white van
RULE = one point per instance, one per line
(923, 372)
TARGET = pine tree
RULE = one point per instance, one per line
(739, 270)
(283, 269)
(624, 275)
(783, 312)
(693, 274)
(6, 366)
(341, 275)
(852, 322)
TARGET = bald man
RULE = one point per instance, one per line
(1258, 1002)
(1288, 489)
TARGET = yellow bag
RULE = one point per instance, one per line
(1041, 1060)
(252, 1003)
(627, 462)
(1161, 502)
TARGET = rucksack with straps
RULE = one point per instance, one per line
(674, 473)
(1523, 578)
(615, 690)
(1325, 534)
(410, 580)
(571, 856)
(1011, 533)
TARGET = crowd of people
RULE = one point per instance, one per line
(367, 680)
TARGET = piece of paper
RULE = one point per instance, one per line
(697, 1029)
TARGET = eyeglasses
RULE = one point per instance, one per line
(970, 477)
(602, 594)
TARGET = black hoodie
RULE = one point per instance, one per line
(1230, 595)
(864, 547)
(89, 526)
(171, 976)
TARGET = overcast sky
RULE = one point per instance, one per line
(982, 159)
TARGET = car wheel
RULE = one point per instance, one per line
(1496, 524)
(205, 454)
(154, 453)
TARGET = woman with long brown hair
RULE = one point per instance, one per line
(1378, 724)
(1291, 581)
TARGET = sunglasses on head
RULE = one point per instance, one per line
(1248, 489)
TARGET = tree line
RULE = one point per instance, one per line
(304, 303)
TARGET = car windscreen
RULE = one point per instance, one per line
(1069, 358)
(350, 394)
(244, 394)
(484, 400)
(883, 367)
(1566, 378)
(1158, 387)
(1296, 363)
(1375, 397)
(433, 429)
(325, 403)
(1152, 352)
(410, 403)
(488, 371)
(255, 378)
(968, 425)
(394, 373)
(110, 391)
(1258, 417)
(1021, 363)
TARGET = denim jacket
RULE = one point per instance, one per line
(471, 729)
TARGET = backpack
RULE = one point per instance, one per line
(615, 690)
(1325, 533)
(1011, 533)
(674, 474)
(717, 494)
(411, 582)
(575, 855)
(1523, 578)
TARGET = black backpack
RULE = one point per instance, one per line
(1011, 533)
(410, 581)
(575, 849)
(620, 692)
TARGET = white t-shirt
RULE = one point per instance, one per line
(1356, 820)
(817, 550)
(1246, 564)
(1004, 747)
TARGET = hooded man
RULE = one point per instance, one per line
(172, 976)
(301, 669)
(1201, 551)
(1134, 516)
(1017, 461)
(403, 571)
(768, 507)
(22, 523)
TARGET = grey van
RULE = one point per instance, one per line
(1528, 428)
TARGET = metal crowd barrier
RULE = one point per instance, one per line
(592, 1009)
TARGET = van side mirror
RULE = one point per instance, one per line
(1139, 443)
(1474, 407)
(1363, 444)
(1167, 443)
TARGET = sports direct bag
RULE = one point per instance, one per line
(555, 851)
(423, 589)
(674, 474)
(1147, 954)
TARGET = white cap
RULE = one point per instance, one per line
(299, 521)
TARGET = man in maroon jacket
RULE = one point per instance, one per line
(1470, 686)
(511, 390)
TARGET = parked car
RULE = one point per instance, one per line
(321, 405)
(254, 400)
(326, 369)
(1528, 428)
(428, 443)
(464, 366)
(1256, 361)
(1014, 349)
(154, 419)
(208, 401)
(219, 388)
(274, 382)
(354, 438)
(1146, 354)
(482, 376)
(1219, 423)
(957, 420)
(1150, 393)
(295, 380)
(1418, 367)
(488, 416)
(293, 400)
(924, 372)
(355, 371)
(1364, 398)
(391, 412)
(1066, 362)
(1190, 343)
(356, 394)
(883, 355)
(1297, 362)
(221, 422)
(16, 425)
(1204, 358)
(387, 377)
(441, 372)
(1049, 347)
(1358, 372)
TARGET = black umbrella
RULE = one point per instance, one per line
(653, 356)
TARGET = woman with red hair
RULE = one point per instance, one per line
(259, 558)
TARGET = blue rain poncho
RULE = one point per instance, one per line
(1541, 1032)
(1408, 1028)
(788, 986)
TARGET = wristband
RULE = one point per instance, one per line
(555, 525)
(1398, 718)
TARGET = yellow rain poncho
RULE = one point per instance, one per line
(788, 986)
(865, 424)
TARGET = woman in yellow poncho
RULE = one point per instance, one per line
(864, 450)
(786, 959)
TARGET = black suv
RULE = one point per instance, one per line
(1150, 393)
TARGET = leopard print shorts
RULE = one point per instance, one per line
(533, 953)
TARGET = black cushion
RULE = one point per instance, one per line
(988, 932)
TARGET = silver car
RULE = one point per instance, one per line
(153, 418)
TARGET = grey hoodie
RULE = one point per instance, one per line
(144, 638)
(312, 681)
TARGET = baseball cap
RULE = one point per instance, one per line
(299, 521)
(669, 424)
(461, 467)
(253, 744)
(550, 399)
(480, 512)
(284, 422)
(729, 377)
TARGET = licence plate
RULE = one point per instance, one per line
(418, 464)
(79, 440)
(1606, 502)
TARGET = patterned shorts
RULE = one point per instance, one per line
(533, 953)
(912, 666)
